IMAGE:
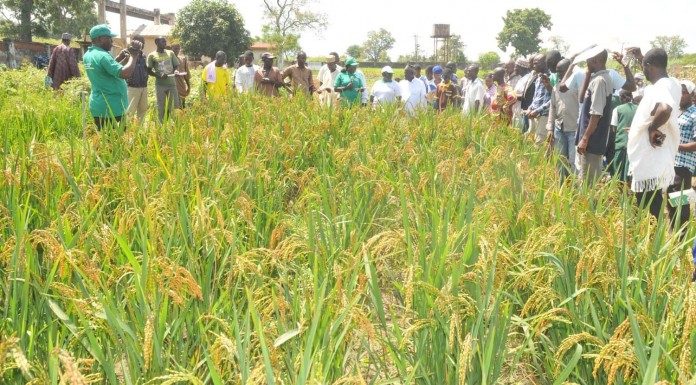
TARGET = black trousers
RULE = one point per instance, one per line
(682, 182)
(108, 123)
(652, 200)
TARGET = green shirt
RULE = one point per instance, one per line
(164, 62)
(349, 97)
(624, 117)
(553, 79)
(109, 97)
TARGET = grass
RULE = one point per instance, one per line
(273, 241)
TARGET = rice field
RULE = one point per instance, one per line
(276, 242)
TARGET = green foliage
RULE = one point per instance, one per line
(355, 51)
(456, 51)
(377, 44)
(287, 20)
(673, 45)
(557, 43)
(521, 30)
(204, 27)
(488, 60)
(47, 18)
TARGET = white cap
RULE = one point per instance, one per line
(690, 86)
(387, 69)
(588, 53)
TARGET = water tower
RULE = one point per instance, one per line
(441, 38)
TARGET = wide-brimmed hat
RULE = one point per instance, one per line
(101, 30)
(588, 53)
(267, 55)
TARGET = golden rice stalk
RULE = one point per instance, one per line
(174, 378)
(571, 341)
(685, 357)
(466, 355)
(71, 374)
(147, 340)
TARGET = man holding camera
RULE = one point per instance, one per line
(653, 141)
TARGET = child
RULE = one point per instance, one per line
(446, 91)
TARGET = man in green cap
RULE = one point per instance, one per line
(109, 97)
(349, 84)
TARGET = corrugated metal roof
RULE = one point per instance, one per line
(155, 30)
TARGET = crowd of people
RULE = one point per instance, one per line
(601, 122)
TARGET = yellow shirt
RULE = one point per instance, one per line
(221, 87)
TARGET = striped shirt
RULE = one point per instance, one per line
(687, 128)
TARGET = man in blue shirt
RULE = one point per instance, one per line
(538, 111)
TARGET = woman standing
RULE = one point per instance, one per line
(385, 91)
(349, 85)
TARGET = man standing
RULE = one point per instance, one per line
(528, 90)
(137, 84)
(563, 123)
(552, 59)
(109, 97)
(327, 77)
(183, 78)
(412, 92)
(473, 92)
(63, 64)
(162, 64)
(216, 78)
(685, 161)
(521, 74)
(653, 140)
(267, 79)
(538, 110)
(244, 77)
(621, 119)
(301, 76)
(595, 118)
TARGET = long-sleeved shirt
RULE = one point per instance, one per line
(244, 78)
(564, 110)
(542, 98)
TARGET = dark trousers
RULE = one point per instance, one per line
(651, 199)
(108, 123)
(682, 182)
(609, 154)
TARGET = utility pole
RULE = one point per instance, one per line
(415, 52)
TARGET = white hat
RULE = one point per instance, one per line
(588, 53)
(690, 86)
(387, 69)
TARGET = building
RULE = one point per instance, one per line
(259, 48)
(150, 33)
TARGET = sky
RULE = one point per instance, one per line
(611, 23)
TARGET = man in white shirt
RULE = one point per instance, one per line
(385, 91)
(653, 141)
(473, 92)
(327, 77)
(244, 76)
(412, 92)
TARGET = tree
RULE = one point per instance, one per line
(354, 51)
(456, 51)
(521, 30)
(673, 45)
(206, 26)
(29, 18)
(557, 43)
(377, 44)
(287, 20)
(488, 60)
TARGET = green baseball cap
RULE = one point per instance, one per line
(351, 62)
(101, 30)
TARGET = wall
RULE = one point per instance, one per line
(25, 52)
